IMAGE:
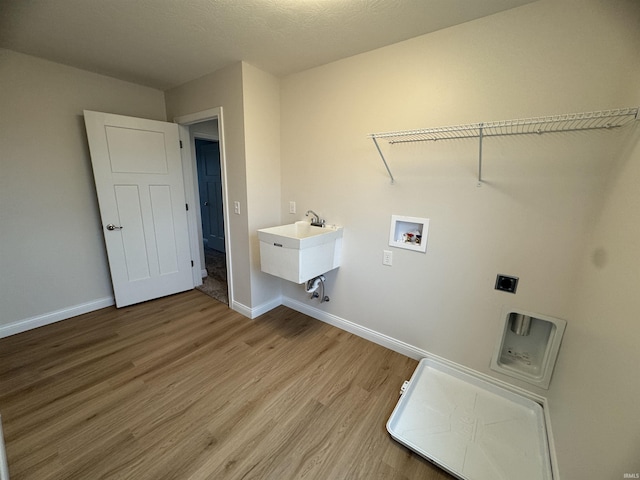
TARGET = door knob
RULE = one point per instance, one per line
(111, 226)
(206, 204)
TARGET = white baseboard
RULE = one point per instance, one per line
(418, 353)
(241, 308)
(52, 317)
(204, 273)
(399, 346)
(364, 332)
(256, 311)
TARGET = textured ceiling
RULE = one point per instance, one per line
(164, 43)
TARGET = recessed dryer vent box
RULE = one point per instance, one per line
(409, 233)
(527, 346)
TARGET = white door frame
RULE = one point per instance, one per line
(189, 170)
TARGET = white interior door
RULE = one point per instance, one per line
(138, 176)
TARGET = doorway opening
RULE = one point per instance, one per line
(205, 187)
(209, 174)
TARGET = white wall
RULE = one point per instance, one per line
(52, 254)
(533, 218)
(594, 404)
(250, 102)
(559, 211)
(224, 89)
(262, 135)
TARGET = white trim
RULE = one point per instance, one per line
(197, 117)
(363, 332)
(240, 308)
(394, 344)
(204, 273)
(193, 217)
(56, 316)
(418, 353)
(359, 330)
(4, 467)
(398, 346)
(205, 136)
(256, 311)
(189, 166)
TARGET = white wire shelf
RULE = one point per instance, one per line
(570, 122)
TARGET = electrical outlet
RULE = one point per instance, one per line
(387, 257)
(236, 208)
(292, 207)
(506, 283)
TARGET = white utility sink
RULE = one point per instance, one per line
(299, 251)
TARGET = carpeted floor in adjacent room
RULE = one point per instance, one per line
(215, 283)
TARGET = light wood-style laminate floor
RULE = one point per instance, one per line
(185, 388)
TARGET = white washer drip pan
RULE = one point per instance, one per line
(470, 427)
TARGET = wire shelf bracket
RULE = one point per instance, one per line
(570, 122)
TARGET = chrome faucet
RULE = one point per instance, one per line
(316, 221)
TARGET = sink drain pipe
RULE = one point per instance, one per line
(312, 287)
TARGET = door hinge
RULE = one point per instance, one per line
(180, 143)
(187, 206)
(192, 263)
